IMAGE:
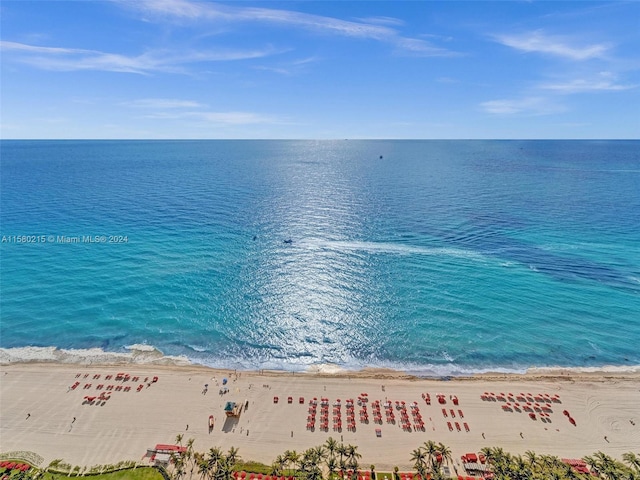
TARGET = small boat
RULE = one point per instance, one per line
(288, 240)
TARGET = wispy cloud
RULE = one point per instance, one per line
(71, 59)
(376, 28)
(419, 47)
(288, 68)
(583, 86)
(381, 20)
(560, 46)
(186, 9)
(522, 106)
(162, 103)
(217, 118)
(179, 109)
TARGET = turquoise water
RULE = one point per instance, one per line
(438, 257)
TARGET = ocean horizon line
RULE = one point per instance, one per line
(332, 139)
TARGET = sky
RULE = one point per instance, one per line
(187, 69)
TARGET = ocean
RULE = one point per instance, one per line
(430, 257)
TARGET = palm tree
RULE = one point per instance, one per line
(342, 451)
(418, 457)
(232, 456)
(446, 453)
(177, 458)
(498, 459)
(632, 460)
(331, 445)
(521, 469)
(215, 455)
(310, 463)
(332, 466)
(277, 467)
(225, 468)
(532, 458)
(189, 454)
(292, 458)
(431, 449)
(321, 452)
(352, 459)
(203, 465)
(593, 464)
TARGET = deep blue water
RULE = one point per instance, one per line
(430, 256)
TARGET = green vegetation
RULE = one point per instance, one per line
(548, 467)
(140, 473)
(336, 461)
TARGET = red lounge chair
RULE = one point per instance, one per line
(289, 399)
(301, 400)
(466, 426)
(450, 426)
(453, 414)
(275, 399)
(444, 412)
(457, 426)
(532, 416)
(460, 413)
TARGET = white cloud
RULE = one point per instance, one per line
(376, 28)
(381, 20)
(288, 68)
(420, 47)
(581, 86)
(162, 103)
(218, 118)
(522, 106)
(539, 42)
(185, 9)
(71, 59)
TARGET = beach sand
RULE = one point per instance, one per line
(39, 412)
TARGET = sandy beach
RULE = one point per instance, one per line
(41, 412)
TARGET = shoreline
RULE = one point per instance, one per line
(39, 408)
(149, 355)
